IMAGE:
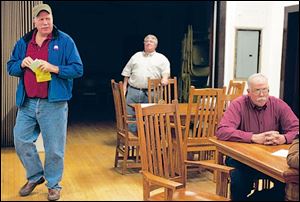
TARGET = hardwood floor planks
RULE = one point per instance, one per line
(88, 173)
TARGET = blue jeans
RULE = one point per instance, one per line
(134, 96)
(35, 116)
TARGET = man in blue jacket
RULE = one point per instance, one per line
(46, 61)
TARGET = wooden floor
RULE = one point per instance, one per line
(89, 173)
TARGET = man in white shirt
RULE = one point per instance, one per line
(141, 66)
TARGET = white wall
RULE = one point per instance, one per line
(267, 16)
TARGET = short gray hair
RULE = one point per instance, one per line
(256, 77)
(151, 36)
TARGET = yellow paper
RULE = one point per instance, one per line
(42, 76)
(39, 74)
(35, 64)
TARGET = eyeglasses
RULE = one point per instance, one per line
(259, 91)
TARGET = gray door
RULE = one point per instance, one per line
(247, 53)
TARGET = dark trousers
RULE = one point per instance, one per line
(243, 177)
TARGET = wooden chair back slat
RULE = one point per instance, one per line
(236, 87)
(156, 127)
(120, 106)
(157, 93)
(206, 113)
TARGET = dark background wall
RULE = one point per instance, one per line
(108, 33)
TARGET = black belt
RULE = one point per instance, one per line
(141, 89)
(36, 98)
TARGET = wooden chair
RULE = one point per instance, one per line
(236, 87)
(291, 176)
(226, 100)
(127, 148)
(163, 166)
(158, 93)
(201, 123)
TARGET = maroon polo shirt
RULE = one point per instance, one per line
(33, 88)
(242, 119)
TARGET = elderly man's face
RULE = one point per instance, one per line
(259, 92)
(44, 23)
(149, 45)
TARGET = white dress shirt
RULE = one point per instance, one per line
(142, 66)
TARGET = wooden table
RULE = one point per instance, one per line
(182, 107)
(256, 156)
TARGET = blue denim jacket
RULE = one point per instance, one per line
(62, 52)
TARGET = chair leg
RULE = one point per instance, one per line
(125, 157)
(117, 153)
(137, 155)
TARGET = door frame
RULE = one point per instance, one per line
(288, 61)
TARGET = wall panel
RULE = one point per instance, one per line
(16, 20)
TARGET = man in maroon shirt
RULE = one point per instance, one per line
(256, 118)
(43, 101)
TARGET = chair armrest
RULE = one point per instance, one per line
(291, 175)
(161, 181)
(212, 166)
(222, 178)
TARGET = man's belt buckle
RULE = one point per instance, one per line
(140, 89)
